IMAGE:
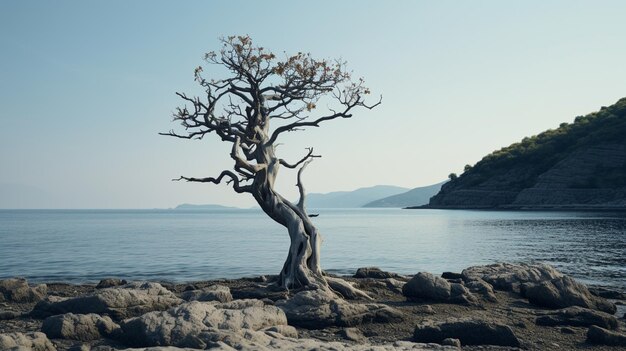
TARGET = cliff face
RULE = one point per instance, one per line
(578, 165)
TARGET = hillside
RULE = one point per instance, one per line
(352, 199)
(414, 197)
(577, 165)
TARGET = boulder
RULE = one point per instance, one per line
(198, 324)
(394, 285)
(601, 336)
(373, 272)
(469, 332)
(425, 309)
(607, 293)
(451, 275)
(508, 276)
(482, 288)
(110, 282)
(429, 287)
(83, 327)
(353, 334)
(317, 309)
(34, 341)
(578, 317)
(18, 290)
(219, 293)
(122, 302)
(564, 292)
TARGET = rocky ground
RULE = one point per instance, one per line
(495, 307)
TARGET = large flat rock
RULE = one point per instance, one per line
(315, 309)
(121, 302)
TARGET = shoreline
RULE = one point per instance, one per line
(572, 208)
(400, 312)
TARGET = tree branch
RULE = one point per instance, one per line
(233, 179)
(301, 187)
(308, 156)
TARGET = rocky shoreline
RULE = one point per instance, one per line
(494, 307)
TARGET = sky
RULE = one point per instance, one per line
(85, 88)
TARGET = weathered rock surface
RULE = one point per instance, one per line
(353, 334)
(83, 327)
(427, 286)
(18, 290)
(373, 272)
(564, 292)
(317, 309)
(219, 293)
(130, 300)
(607, 293)
(508, 276)
(482, 288)
(110, 282)
(597, 335)
(257, 341)
(394, 285)
(197, 324)
(34, 341)
(469, 332)
(578, 317)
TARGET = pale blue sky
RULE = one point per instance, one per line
(85, 87)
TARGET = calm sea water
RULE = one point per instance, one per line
(174, 245)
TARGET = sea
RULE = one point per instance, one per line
(84, 246)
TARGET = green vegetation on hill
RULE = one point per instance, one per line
(536, 154)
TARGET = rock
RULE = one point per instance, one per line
(601, 336)
(425, 309)
(34, 341)
(508, 276)
(110, 282)
(285, 330)
(353, 334)
(482, 288)
(18, 290)
(578, 317)
(219, 293)
(316, 309)
(373, 272)
(469, 332)
(564, 292)
(427, 286)
(259, 341)
(607, 293)
(83, 327)
(81, 347)
(259, 292)
(451, 275)
(8, 315)
(198, 324)
(451, 342)
(394, 285)
(129, 300)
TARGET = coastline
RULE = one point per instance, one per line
(398, 316)
(551, 208)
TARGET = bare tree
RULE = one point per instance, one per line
(263, 90)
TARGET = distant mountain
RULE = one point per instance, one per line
(414, 197)
(352, 199)
(580, 165)
(203, 207)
